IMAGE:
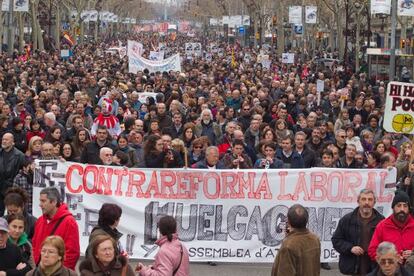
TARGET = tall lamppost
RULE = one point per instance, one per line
(393, 31)
(359, 7)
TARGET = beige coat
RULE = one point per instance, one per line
(299, 255)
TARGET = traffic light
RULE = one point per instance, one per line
(402, 43)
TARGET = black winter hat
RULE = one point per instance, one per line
(400, 196)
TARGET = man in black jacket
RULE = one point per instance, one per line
(310, 158)
(11, 161)
(353, 235)
(90, 154)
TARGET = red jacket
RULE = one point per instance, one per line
(387, 231)
(68, 230)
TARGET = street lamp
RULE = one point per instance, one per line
(394, 7)
(359, 7)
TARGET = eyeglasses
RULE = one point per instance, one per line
(198, 147)
(387, 261)
(108, 154)
(48, 252)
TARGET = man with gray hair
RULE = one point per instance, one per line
(11, 160)
(211, 161)
(50, 120)
(354, 233)
(209, 128)
(56, 220)
(389, 261)
(106, 154)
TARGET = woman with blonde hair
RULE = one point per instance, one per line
(178, 146)
(52, 255)
(34, 149)
(343, 119)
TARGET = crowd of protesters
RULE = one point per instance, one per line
(226, 111)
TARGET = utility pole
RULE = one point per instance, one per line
(10, 29)
(393, 31)
(304, 30)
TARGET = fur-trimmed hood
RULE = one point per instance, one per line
(91, 264)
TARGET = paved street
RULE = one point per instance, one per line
(203, 269)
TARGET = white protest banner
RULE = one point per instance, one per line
(143, 96)
(197, 49)
(399, 108)
(5, 5)
(209, 57)
(295, 15)
(193, 49)
(21, 5)
(172, 63)
(85, 16)
(405, 8)
(288, 58)
(122, 52)
(93, 15)
(162, 46)
(215, 22)
(156, 55)
(264, 60)
(247, 58)
(380, 7)
(134, 49)
(311, 14)
(222, 215)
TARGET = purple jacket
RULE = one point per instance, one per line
(168, 259)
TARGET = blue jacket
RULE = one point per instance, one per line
(297, 160)
(202, 164)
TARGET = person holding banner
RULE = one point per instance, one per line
(236, 159)
(270, 161)
(353, 235)
(172, 257)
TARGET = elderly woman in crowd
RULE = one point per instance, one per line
(52, 255)
(105, 259)
(108, 220)
(389, 261)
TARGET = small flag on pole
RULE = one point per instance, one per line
(69, 39)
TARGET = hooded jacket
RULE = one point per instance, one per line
(25, 249)
(67, 230)
(387, 230)
(168, 259)
(89, 267)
